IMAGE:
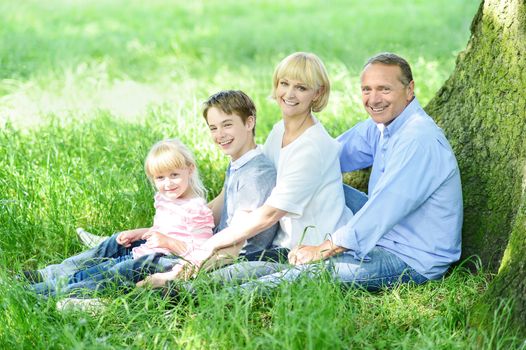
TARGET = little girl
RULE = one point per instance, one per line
(182, 223)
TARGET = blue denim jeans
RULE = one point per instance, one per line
(107, 249)
(107, 265)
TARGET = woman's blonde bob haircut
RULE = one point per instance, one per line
(172, 154)
(308, 68)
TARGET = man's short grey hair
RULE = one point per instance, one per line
(392, 59)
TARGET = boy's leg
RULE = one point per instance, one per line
(107, 249)
(354, 199)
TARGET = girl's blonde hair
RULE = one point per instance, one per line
(171, 154)
(308, 68)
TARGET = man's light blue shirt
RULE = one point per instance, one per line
(414, 208)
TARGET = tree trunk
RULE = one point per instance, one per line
(482, 109)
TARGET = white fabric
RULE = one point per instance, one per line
(308, 186)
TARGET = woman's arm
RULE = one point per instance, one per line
(243, 229)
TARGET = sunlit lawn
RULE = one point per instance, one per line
(87, 86)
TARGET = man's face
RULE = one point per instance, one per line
(383, 94)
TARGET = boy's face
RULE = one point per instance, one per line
(228, 131)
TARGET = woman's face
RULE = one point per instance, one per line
(294, 97)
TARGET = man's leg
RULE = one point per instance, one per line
(354, 199)
(383, 269)
(107, 249)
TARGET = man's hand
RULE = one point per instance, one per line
(305, 254)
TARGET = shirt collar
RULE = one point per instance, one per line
(245, 158)
(402, 118)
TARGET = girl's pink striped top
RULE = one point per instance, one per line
(188, 220)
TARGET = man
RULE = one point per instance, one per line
(409, 228)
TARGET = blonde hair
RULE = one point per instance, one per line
(171, 154)
(308, 68)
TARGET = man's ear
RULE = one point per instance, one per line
(410, 90)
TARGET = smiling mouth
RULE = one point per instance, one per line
(377, 110)
(289, 103)
(226, 142)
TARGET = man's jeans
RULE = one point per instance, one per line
(381, 269)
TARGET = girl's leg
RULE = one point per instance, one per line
(107, 249)
(126, 272)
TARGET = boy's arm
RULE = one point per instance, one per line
(216, 205)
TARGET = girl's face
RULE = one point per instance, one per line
(294, 97)
(174, 183)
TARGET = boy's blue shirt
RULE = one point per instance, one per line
(248, 182)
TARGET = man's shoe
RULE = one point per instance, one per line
(89, 239)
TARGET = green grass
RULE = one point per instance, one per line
(86, 87)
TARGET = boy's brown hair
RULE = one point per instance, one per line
(232, 102)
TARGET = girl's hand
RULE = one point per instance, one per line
(156, 239)
(126, 238)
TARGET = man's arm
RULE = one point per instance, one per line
(409, 179)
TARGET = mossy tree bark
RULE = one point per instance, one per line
(482, 108)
